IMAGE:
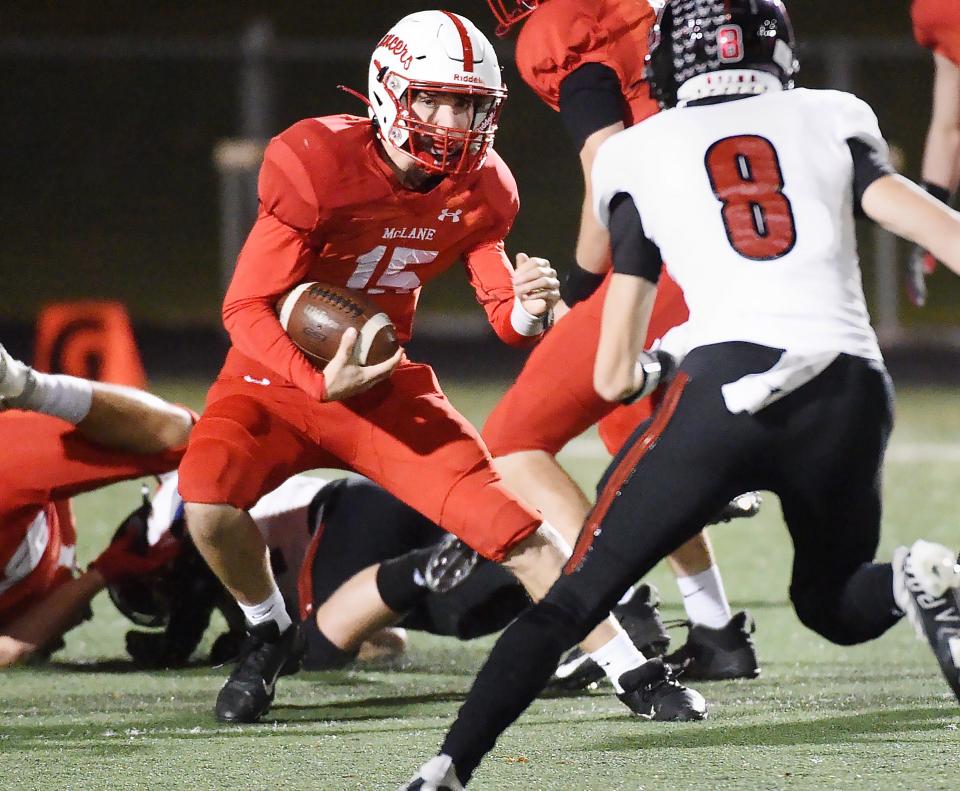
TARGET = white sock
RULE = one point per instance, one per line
(270, 609)
(617, 657)
(704, 598)
(57, 395)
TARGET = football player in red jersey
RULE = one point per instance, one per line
(382, 205)
(936, 26)
(63, 436)
(585, 59)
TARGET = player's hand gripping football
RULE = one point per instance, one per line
(535, 284)
(344, 378)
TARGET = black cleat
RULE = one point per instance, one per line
(742, 507)
(451, 563)
(717, 654)
(437, 774)
(650, 691)
(640, 618)
(926, 586)
(248, 692)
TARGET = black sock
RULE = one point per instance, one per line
(322, 654)
(400, 580)
(516, 671)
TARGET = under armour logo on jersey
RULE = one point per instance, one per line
(453, 215)
(253, 381)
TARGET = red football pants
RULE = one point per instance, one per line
(553, 399)
(403, 434)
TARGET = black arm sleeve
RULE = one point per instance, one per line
(590, 99)
(578, 284)
(868, 166)
(633, 252)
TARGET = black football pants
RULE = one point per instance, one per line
(819, 448)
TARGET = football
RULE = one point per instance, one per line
(315, 316)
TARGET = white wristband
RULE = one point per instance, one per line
(523, 322)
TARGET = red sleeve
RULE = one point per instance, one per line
(936, 26)
(563, 35)
(488, 267)
(274, 259)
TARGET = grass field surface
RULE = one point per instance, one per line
(877, 716)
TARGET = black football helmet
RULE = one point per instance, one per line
(700, 39)
(146, 600)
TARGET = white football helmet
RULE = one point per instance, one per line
(439, 52)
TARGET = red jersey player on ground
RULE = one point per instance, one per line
(585, 58)
(936, 26)
(383, 206)
(63, 436)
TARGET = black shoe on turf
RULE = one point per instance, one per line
(926, 586)
(640, 619)
(742, 507)
(248, 692)
(650, 691)
(718, 654)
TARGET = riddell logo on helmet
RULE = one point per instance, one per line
(730, 43)
(398, 47)
(468, 78)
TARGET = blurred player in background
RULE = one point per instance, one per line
(62, 436)
(584, 58)
(383, 205)
(936, 26)
(783, 387)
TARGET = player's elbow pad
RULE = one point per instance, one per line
(655, 367)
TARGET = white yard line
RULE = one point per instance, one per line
(591, 448)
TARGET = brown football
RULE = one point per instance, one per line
(315, 316)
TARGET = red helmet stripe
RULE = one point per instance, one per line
(464, 40)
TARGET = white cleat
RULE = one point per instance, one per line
(437, 774)
(926, 579)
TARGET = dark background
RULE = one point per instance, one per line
(108, 187)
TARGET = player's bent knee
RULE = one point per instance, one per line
(479, 509)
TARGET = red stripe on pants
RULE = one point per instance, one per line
(649, 438)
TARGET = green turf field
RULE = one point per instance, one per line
(820, 717)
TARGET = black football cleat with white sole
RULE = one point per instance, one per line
(926, 586)
(650, 691)
(718, 654)
(640, 619)
(248, 692)
(437, 774)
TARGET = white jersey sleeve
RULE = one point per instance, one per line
(855, 119)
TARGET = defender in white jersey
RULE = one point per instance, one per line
(747, 189)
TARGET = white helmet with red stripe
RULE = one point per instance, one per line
(440, 52)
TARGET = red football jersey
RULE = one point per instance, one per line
(562, 35)
(331, 210)
(936, 26)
